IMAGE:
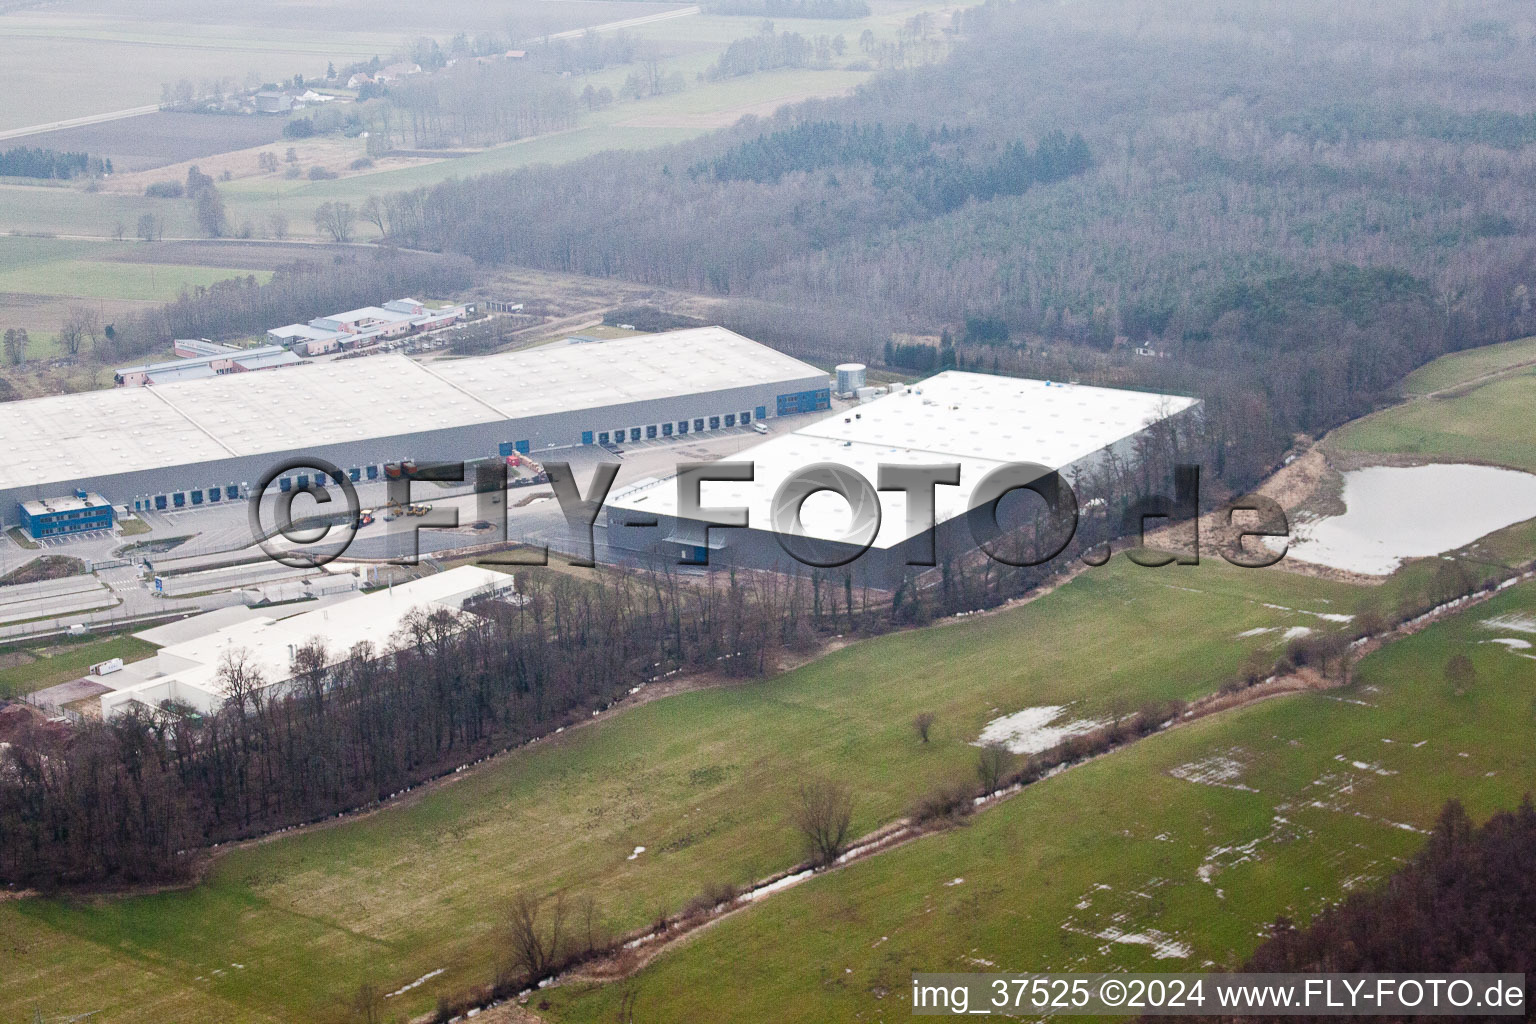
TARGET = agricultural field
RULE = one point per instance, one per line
(1490, 423)
(1172, 854)
(154, 140)
(1473, 364)
(40, 278)
(173, 39)
(690, 45)
(113, 279)
(702, 780)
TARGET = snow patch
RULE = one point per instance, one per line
(403, 989)
(1164, 946)
(1030, 731)
(1223, 769)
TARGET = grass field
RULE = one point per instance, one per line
(288, 929)
(114, 280)
(702, 780)
(1309, 797)
(31, 209)
(129, 54)
(154, 140)
(1490, 423)
(691, 44)
(1460, 367)
(59, 661)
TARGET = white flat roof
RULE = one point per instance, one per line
(367, 313)
(65, 503)
(977, 420)
(634, 369)
(303, 331)
(67, 438)
(371, 618)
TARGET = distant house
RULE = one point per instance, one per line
(516, 54)
(310, 96)
(359, 80)
(394, 72)
(269, 101)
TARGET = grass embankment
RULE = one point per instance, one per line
(703, 780)
(1490, 423)
(1186, 843)
(1473, 364)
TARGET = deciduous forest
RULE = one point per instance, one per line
(1098, 177)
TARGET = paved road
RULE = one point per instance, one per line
(76, 122)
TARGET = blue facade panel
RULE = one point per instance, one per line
(66, 521)
(805, 401)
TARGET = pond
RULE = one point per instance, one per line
(1394, 513)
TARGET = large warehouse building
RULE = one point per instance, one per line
(193, 442)
(977, 421)
(188, 669)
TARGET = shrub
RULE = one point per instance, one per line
(318, 173)
(165, 190)
(362, 163)
(947, 803)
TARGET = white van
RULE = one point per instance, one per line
(760, 427)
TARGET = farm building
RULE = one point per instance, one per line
(187, 443)
(187, 668)
(978, 422)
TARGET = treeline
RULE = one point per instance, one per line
(297, 292)
(132, 800)
(920, 357)
(33, 162)
(656, 226)
(910, 159)
(1288, 268)
(762, 52)
(1465, 903)
(813, 145)
(792, 8)
(475, 104)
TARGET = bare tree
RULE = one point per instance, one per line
(373, 212)
(336, 220)
(83, 324)
(534, 937)
(277, 224)
(241, 679)
(368, 1004)
(72, 332)
(823, 815)
(922, 724)
(149, 228)
(991, 765)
